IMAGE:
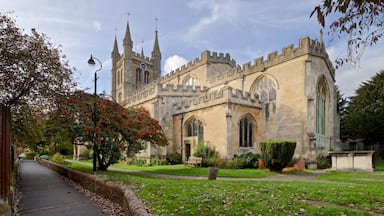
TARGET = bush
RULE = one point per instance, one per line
(156, 161)
(30, 155)
(58, 158)
(276, 154)
(210, 155)
(248, 160)
(174, 158)
(323, 162)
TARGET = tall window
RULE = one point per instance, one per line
(138, 75)
(321, 114)
(195, 128)
(146, 77)
(246, 132)
(265, 89)
(321, 97)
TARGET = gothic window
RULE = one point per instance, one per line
(190, 81)
(138, 75)
(121, 76)
(265, 90)
(146, 77)
(118, 77)
(246, 132)
(195, 128)
(321, 98)
(119, 97)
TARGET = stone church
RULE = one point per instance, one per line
(213, 100)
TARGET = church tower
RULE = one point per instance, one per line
(130, 70)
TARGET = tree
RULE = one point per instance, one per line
(360, 21)
(365, 114)
(117, 129)
(32, 69)
(342, 104)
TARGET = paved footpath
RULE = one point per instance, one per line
(44, 193)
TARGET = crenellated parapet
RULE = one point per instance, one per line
(138, 55)
(205, 58)
(306, 47)
(216, 97)
(155, 90)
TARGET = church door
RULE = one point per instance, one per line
(187, 151)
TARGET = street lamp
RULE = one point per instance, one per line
(92, 63)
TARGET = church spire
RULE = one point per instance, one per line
(115, 47)
(156, 48)
(127, 39)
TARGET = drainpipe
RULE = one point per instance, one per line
(181, 136)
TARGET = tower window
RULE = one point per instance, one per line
(146, 77)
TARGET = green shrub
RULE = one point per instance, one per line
(58, 158)
(30, 155)
(323, 162)
(234, 163)
(174, 158)
(276, 154)
(250, 160)
(210, 155)
(156, 161)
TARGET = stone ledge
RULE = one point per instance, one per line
(131, 204)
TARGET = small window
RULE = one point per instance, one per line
(195, 128)
(246, 133)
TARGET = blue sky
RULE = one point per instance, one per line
(246, 29)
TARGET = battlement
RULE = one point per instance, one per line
(216, 97)
(306, 46)
(206, 57)
(138, 55)
(154, 90)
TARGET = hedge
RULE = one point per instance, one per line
(276, 154)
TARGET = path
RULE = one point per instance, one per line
(45, 193)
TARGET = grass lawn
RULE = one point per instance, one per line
(361, 195)
(181, 170)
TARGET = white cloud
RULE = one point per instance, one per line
(226, 11)
(96, 25)
(174, 62)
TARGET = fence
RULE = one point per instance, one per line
(5, 152)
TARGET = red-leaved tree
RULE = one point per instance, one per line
(117, 130)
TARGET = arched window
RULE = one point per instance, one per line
(146, 77)
(265, 89)
(195, 128)
(322, 99)
(190, 81)
(119, 97)
(246, 132)
(138, 75)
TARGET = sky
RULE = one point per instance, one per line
(246, 29)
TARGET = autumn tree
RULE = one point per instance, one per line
(364, 117)
(361, 22)
(117, 129)
(33, 71)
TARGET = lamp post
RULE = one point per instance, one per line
(92, 63)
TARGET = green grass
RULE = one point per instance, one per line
(181, 170)
(203, 197)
